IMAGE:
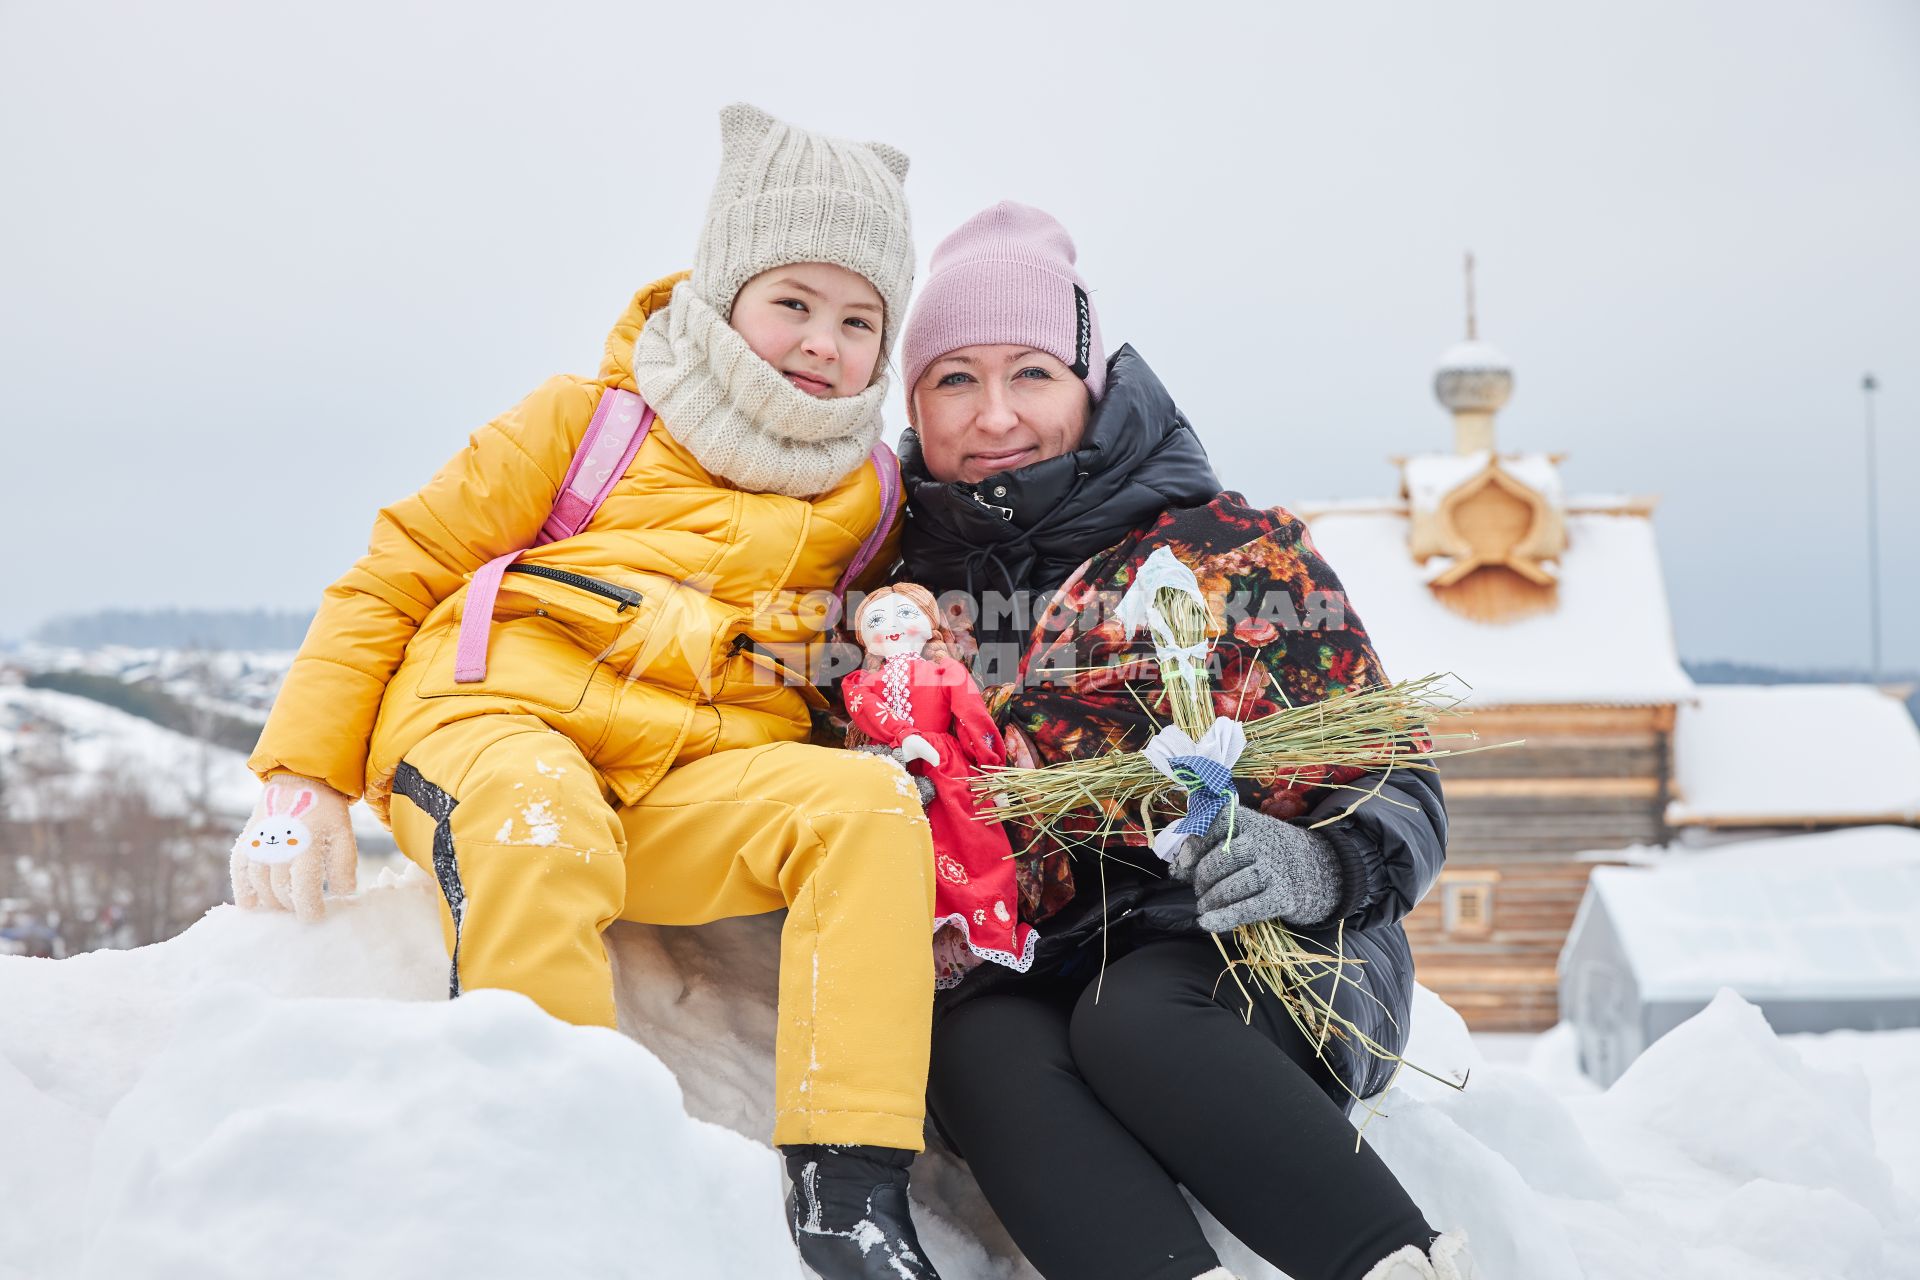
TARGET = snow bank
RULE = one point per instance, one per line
(257, 1097)
(1889, 1063)
(1721, 1154)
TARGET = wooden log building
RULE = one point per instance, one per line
(1551, 614)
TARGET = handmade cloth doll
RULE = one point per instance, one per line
(913, 697)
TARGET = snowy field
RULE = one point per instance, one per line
(237, 682)
(95, 742)
(257, 1098)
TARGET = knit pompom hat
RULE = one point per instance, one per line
(787, 195)
(1006, 276)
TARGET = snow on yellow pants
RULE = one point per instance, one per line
(534, 860)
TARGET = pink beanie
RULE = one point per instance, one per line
(1006, 275)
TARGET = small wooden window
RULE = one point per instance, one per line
(1469, 908)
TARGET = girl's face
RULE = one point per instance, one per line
(818, 324)
(984, 409)
(893, 625)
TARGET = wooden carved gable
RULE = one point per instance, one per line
(1496, 538)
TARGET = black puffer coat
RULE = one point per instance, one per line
(1140, 469)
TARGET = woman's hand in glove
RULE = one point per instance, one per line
(1268, 870)
(297, 846)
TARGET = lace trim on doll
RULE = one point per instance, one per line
(1019, 964)
(896, 677)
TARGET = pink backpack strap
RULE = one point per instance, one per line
(619, 427)
(887, 466)
(620, 424)
(476, 619)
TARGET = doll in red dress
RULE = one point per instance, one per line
(914, 697)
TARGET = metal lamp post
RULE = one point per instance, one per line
(1868, 386)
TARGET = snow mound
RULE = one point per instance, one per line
(366, 1137)
(257, 1097)
(1720, 1155)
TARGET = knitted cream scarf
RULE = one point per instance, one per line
(738, 415)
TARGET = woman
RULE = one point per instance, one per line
(1039, 477)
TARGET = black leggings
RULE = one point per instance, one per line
(1081, 1118)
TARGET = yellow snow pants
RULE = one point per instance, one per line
(534, 860)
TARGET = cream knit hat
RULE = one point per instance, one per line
(786, 195)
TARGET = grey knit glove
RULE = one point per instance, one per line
(1269, 870)
(923, 785)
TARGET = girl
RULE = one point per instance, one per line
(601, 739)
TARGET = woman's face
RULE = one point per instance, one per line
(893, 624)
(817, 323)
(985, 409)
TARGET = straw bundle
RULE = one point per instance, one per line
(1379, 729)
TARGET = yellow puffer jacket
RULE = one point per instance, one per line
(639, 688)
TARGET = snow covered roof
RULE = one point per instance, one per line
(1609, 641)
(1473, 356)
(1737, 747)
(1794, 917)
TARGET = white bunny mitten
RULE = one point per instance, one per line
(297, 846)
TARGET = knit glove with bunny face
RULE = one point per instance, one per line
(297, 848)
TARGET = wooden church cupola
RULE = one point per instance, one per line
(1489, 529)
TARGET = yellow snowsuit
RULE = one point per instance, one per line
(638, 762)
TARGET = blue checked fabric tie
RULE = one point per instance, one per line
(1209, 787)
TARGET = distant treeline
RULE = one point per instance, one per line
(179, 629)
(153, 704)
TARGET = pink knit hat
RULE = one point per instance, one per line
(1006, 275)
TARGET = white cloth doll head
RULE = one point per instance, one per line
(901, 619)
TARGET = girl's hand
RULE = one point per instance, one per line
(297, 846)
(915, 747)
(923, 787)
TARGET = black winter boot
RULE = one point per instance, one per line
(848, 1214)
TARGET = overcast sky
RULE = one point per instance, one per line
(263, 266)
